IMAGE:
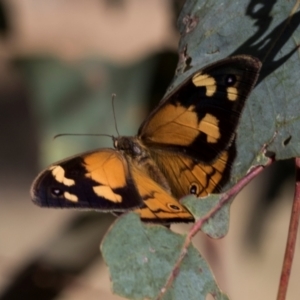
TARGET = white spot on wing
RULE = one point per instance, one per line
(59, 174)
(70, 197)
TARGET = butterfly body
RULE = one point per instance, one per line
(185, 146)
(137, 154)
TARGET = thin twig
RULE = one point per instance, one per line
(291, 240)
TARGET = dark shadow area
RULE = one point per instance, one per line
(5, 27)
(267, 49)
(18, 150)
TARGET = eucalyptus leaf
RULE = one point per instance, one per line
(217, 226)
(141, 257)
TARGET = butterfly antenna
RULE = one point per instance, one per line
(113, 96)
(81, 134)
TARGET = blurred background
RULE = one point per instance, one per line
(60, 62)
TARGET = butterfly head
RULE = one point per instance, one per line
(128, 145)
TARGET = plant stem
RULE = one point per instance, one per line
(292, 236)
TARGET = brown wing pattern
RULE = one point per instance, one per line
(158, 205)
(187, 176)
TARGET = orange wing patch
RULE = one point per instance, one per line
(210, 126)
(173, 124)
(232, 93)
(70, 197)
(109, 169)
(59, 174)
(206, 81)
(177, 125)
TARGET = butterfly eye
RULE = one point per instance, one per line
(174, 207)
(194, 189)
(136, 150)
(56, 192)
(230, 80)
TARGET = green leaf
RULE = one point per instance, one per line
(217, 226)
(140, 258)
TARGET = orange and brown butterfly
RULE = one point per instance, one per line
(183, 147)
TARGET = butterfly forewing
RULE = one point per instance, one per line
(96, 180)
(199, 119)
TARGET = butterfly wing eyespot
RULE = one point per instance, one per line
(194, 189)
(230, 80)
(56, 192)
(174, 207)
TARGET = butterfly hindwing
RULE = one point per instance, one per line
(189, 176)
(158, 205)
(199, 118)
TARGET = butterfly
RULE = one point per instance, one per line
(185, 146)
